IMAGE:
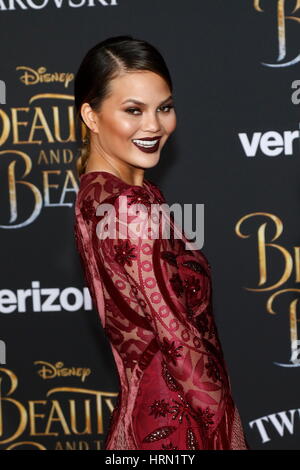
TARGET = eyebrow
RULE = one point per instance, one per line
(132, 100)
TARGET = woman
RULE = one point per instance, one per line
(153, 294)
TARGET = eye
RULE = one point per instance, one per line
(129, 110)
(166, 109)
(168, 106)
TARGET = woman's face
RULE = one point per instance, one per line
(121, 119)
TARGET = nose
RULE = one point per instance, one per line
(151, 122)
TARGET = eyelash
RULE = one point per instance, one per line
(170, 106)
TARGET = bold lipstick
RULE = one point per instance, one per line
(147, 147)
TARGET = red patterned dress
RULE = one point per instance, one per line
(153, 295)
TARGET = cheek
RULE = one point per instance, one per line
(124, 126)
(170, 124)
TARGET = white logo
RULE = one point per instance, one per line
(146, 225)
(39, 299)
(270, 143)
(32, 5)
(281, 423)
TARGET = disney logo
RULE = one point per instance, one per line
(50, 371)
(32, 77)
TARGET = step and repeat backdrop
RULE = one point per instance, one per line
(235, 65)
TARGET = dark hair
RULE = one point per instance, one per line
(105, 61)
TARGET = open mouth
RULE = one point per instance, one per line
(147, 145)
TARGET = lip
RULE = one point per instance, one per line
(149, 138)
(148, 150)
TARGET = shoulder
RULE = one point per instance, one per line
(99, 187)
(96, 188)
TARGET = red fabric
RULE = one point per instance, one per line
(154, 298)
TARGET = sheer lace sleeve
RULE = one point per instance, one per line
(169, 287)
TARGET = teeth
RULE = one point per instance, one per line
(146, 143)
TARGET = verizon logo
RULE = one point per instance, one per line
(51, 299)
(270, 143)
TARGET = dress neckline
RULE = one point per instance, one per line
(145, 182)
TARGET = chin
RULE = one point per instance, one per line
(149, 165)
(144, 163)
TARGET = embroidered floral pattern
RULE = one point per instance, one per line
(169, 257)
(194, 266)
(181, 409)
(159, 433)
(177, 285)
(159, 408)
(169, 379)
(202, 324)
(170, 351)
(191, 441)
(192, 285)
(87, 209)
(124, 252)
(213, 370)
(206, 417)
(139, 196)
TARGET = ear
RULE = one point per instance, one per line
(89, 117)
